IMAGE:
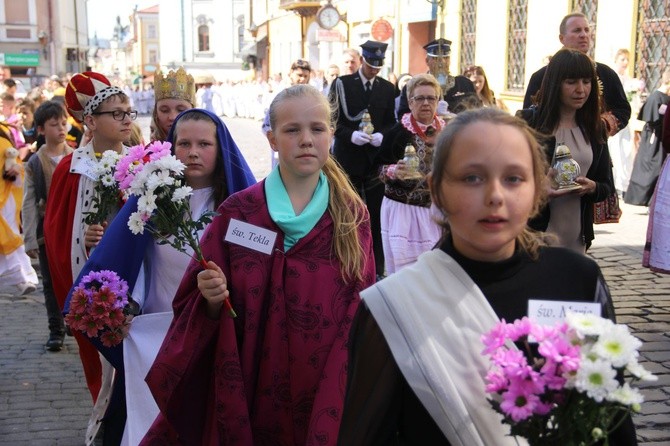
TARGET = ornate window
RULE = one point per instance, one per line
(517, 20)
(653, 31)
(203, 38)
(240, 32)
(152, 32)
(590, 9)
(468, 33)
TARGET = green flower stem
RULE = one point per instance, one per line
(182, 230)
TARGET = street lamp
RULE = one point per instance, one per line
(43, 38)
(440, 4)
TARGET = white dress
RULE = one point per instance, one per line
(621, 145)
(162, 270)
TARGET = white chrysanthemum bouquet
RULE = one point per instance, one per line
(156, 177)
(107, 195)
(572, 387)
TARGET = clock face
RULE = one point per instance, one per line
(328, 17)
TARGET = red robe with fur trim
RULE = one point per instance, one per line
(58, 220)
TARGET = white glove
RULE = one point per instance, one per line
(442, 108)
(360, 138)
(376, 139)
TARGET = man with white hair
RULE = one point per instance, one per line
(351, 61)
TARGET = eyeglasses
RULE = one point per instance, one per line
(429, 99)
(119, 115)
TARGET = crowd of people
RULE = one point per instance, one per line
(425, 190)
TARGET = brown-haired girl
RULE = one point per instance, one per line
(416, 372)
(292, 254)
(174, 93)
(478, 77)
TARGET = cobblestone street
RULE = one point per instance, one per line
(44, 401)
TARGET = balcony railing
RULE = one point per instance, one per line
(304, 8)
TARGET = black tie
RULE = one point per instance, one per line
(368, 89)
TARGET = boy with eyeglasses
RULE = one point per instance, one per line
(105, 110)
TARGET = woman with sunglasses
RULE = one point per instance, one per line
(408, 229)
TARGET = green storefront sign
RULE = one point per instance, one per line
(19, 60)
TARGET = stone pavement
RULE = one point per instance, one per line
(43, 397)
(44, 400)
(642, 301)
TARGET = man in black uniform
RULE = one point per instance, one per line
(355, 150)
(459, 91)
(574, 33)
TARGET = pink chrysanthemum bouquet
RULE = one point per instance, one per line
(570, 387)
(137, 157)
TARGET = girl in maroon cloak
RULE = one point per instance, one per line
(292, 254)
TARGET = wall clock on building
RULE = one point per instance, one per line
(328, 16)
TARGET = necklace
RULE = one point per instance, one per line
(431, 130)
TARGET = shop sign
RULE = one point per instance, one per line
(329, 35)
(19, 60)
(381, 30)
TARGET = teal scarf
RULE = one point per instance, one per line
(281, 211)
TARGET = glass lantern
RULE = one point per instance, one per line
(567, 169)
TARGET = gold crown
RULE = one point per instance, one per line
(176, 85)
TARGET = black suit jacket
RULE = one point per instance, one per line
(360, 160)
(613, 93)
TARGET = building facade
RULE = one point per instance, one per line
(145, 41)
(42, 37)
(206, 37)
(510, 39)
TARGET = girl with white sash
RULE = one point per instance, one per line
(416, 370)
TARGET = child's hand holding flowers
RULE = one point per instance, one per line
(107, 195)
(156, 177)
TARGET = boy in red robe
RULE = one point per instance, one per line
(105, 110)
